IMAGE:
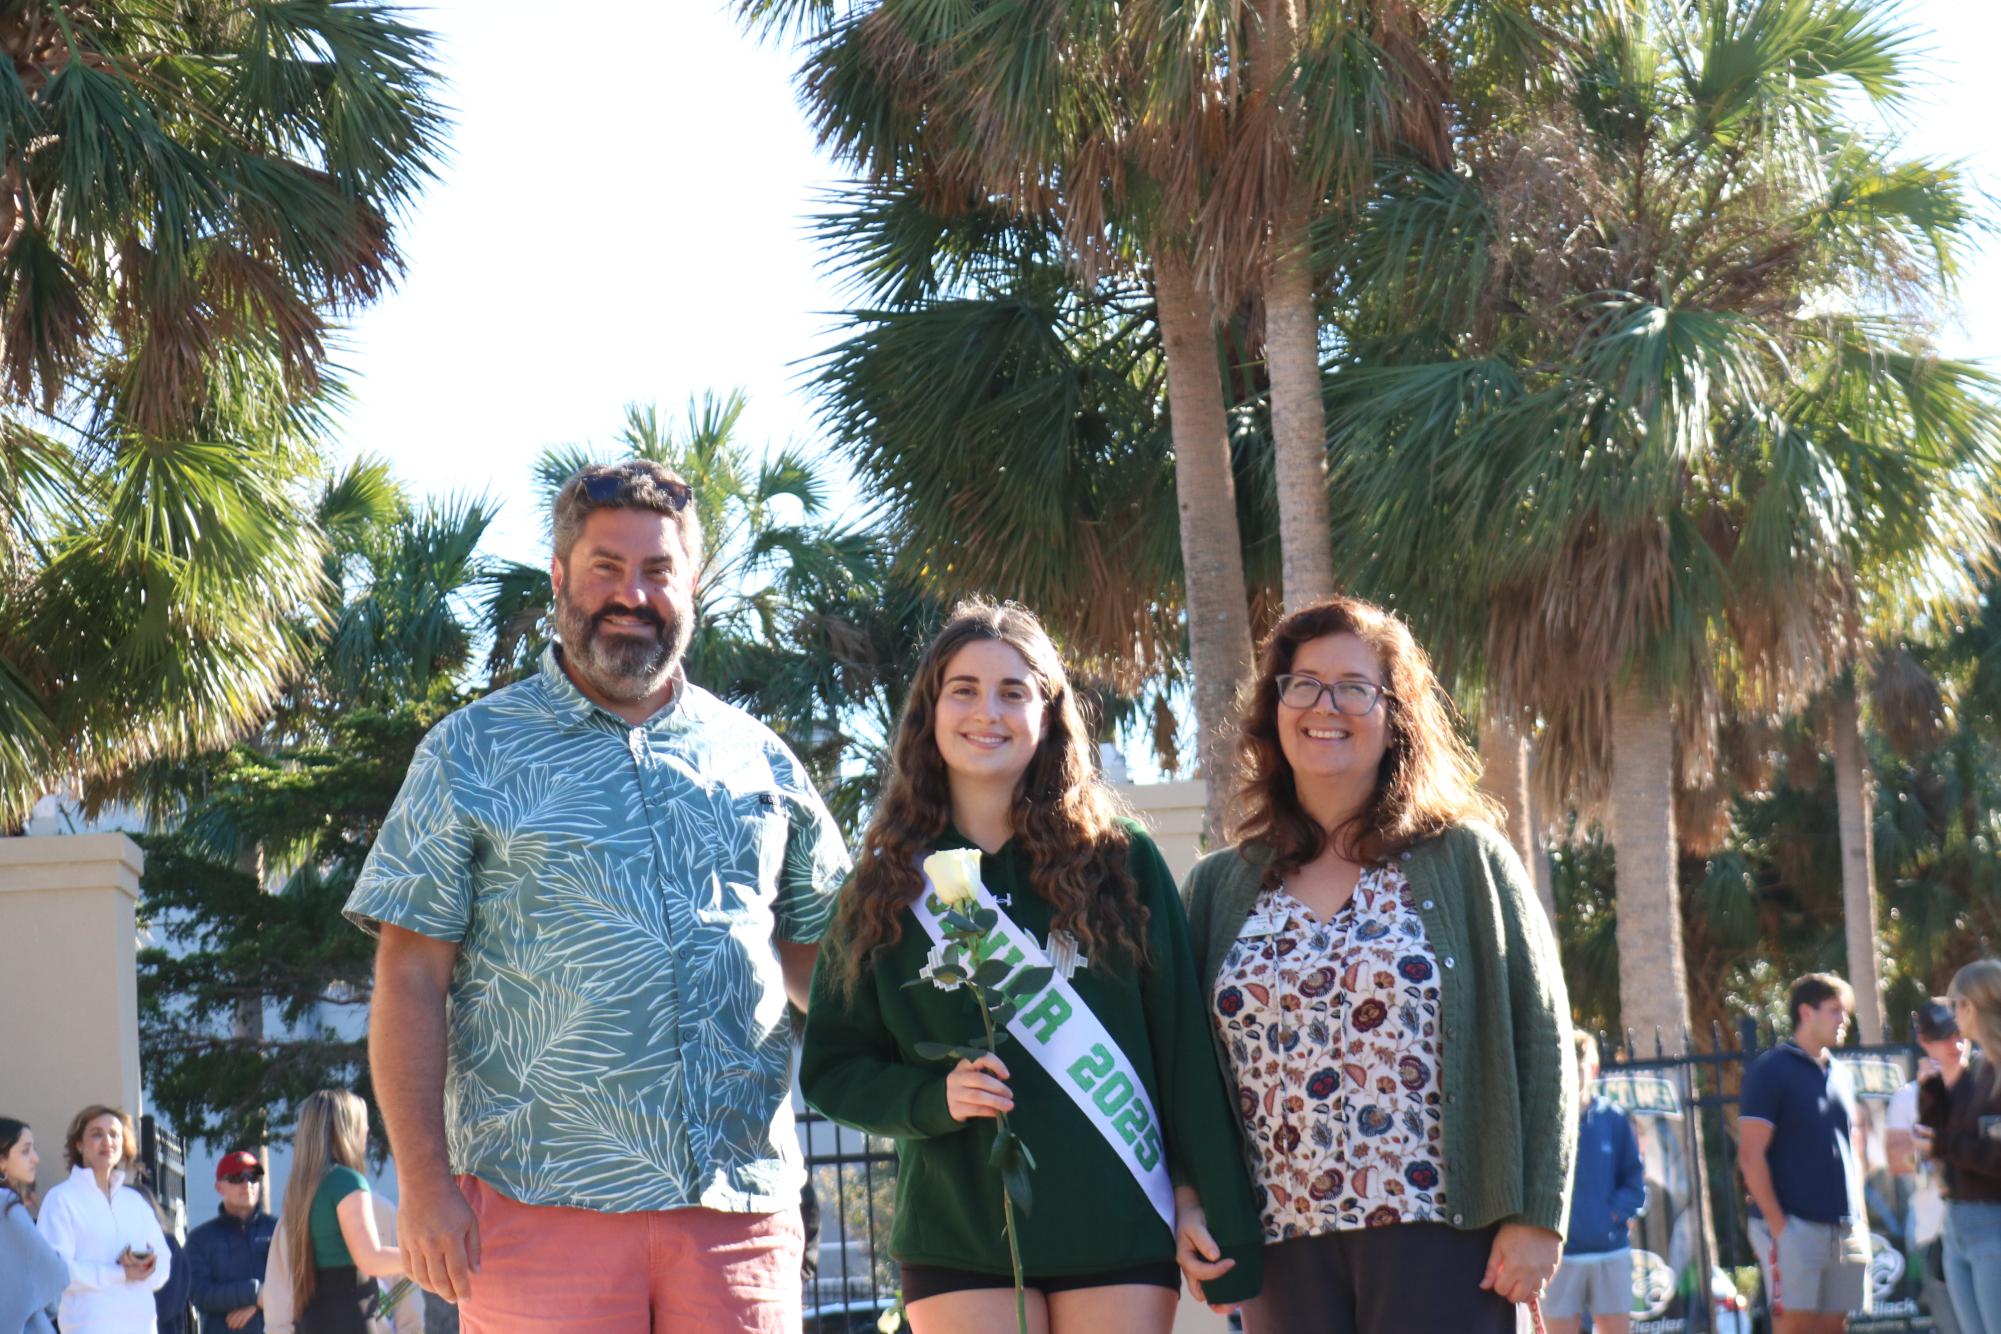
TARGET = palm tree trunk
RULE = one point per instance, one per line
(1653, 978)
(1292, 335)
(1504, 777)
(1212, 555)
(1298, 414)
(1545, 887)
(1853, 784)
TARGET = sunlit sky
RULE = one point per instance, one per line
(624, 219)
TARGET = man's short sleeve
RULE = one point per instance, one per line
(816, 866)
(1763, 1091)
(419, 873)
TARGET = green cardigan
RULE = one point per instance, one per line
(1089, 1214)
(1510, 1074)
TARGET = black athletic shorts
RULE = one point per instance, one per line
(921, 1281)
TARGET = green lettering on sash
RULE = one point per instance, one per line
(1147, 1151)
(991, 944)
(1132, 1120)
(1114, 1093)
(1089, 1068)
(1049, 1014)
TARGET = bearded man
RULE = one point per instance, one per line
(595, 894)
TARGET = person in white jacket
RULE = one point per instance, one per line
(105, 1231)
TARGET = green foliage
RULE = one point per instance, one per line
(235, 949)
(191, 193)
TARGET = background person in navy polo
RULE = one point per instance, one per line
(227, 1254)
(1798, 1152)
(1610, 1187)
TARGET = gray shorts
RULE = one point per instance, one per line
(1591, 1285)
(1822, 1266)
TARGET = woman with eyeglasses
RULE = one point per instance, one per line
(1386, 999)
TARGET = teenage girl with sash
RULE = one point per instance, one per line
(1386, 1000)
(991, 753)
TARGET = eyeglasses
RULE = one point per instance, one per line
(244, 1178)
(1353, 698)
(609, 490)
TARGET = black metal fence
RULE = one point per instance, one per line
(1695, 1270)
(1685, 1108)
(852, 1180)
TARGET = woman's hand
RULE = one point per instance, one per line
(1924, 1140)
(1522, 1263)
(1195, 1250)
(137, 1268)
(976, 1088)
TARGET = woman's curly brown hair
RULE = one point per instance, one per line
(1429, 778)
(1065, 819)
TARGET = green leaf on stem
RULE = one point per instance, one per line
(992, 973)
(954, 920)
(1014, 1177)
(948, 1051)
(1002, 1011)
(1006, 1143)
(986, 919)
(1031, 982)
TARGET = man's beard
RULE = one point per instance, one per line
(618, 665)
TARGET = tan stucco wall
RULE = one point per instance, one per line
(70, 986)
(1172, 813)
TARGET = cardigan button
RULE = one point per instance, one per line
(1459, 1220)
(1448, 961)
(1429, 904)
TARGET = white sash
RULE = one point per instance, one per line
(1058, 1029)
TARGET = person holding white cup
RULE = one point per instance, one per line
(105, 1230)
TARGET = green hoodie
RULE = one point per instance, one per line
(1089, 1214)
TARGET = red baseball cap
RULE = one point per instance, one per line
(241, 1161)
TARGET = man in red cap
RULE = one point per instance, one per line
(226, 1255)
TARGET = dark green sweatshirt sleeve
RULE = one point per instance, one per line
(850, 1068)
(1198, 1124)
(1545, 1055)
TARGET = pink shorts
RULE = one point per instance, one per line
(548, 1268)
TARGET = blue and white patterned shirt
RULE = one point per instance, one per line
(616, 1023)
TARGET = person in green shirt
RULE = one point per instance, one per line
(326, 1226)
(991, 753)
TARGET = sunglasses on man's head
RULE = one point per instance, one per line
(249, 1178)
(609, 490)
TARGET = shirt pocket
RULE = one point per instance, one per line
(750, 852)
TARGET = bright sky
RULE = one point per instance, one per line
(625, 216)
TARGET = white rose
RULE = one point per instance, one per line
(955, 875)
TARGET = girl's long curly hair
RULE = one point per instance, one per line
(1429, 778)
(1065, 819)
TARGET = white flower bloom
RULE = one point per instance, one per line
(955, 875)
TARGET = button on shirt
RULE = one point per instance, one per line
(617, 1026)
(1332, 1031)
(1811, 1109)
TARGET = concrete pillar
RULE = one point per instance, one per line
(1172, 813)
(70, 987)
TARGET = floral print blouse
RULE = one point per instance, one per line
(1333, 1030)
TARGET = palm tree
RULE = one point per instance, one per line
(189, 195)
(1654, 350)
(1153, 141)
